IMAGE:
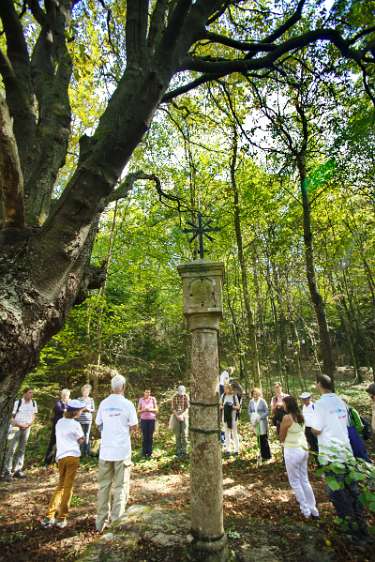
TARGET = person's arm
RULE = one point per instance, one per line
(133, 421)
(285, 425)
(236, 403)
(80, 435)
(250, 408)
(174, 405)
(13, 418)
(155, 409)
(187, 403)
(264, 414)
(317, 421)
(99, 419)
(139, 409)
(273, 405)
(92, 407)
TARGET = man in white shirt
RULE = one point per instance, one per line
(330, 424)
(116, 419)
(23, 416)
(308, 415)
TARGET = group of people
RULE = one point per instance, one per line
(322, 426)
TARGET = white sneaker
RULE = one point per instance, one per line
(61, 523)
(315, 512)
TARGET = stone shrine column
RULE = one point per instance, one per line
(202, 290)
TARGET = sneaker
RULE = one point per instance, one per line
(47, 522)
(19, 474)
(61, 523)
(314, 513)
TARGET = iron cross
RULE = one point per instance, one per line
(201, 229)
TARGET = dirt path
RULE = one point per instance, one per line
(259, 509)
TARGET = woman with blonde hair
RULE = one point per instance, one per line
(258, 414)
(85, 419)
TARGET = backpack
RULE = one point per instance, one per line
(367, 430)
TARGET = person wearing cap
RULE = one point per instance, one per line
(371, 391)
(116, 420)
(69, 436)
(308, 415)
(179, 420)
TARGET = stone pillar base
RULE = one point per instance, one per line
(205, 550)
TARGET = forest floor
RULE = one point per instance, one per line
(261, 514)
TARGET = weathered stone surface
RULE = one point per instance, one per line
(261, 554)
(155, 527)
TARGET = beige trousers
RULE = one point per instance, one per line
(113, 490)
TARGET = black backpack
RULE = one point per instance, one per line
(367, 430)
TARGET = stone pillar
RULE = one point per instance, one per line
(202, 288)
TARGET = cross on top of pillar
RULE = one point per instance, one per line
(201, 230)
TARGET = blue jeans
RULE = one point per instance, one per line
(85, 446)
(148, 428)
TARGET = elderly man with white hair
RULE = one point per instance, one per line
(179, 420)
(116, 419)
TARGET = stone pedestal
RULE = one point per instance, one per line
(202, 286)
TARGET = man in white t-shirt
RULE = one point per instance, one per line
(330, 424)
(116, 419)
(23, 416)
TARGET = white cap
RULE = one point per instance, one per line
(76, 404)
(181, 390)
(305, 395)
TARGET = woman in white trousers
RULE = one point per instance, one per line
(229, 404)
(292, 435)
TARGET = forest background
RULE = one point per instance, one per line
(280, 159)
(297, 244)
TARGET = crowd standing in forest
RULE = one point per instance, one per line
(329, 428)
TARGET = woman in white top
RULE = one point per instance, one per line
(229, 405)
(258, 414)
(292, 435)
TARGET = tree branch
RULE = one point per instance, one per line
(11, 179)
(238, 45)
(136, 30)
(203, 79)
(225, 66)
(16, 42)
(157, 24)
(287, 25)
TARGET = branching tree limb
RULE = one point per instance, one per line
(11, 180)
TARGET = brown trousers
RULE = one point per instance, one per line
(59, 504)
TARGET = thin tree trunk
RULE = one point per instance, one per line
(325, 341)
(250, 327)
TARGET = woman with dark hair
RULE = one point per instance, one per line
(292, 435)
